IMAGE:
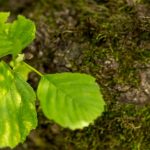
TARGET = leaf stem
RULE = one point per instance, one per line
(33, 69)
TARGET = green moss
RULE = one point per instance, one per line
(121, 127)
(119, 36)
(111, 42)
(108, 31)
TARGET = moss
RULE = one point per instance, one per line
(110, 40)
(121, 127)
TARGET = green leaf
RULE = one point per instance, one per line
(3, 17)
(22, 70)
(20, 66)
(72, 100)
(15, 36)
(17, 108)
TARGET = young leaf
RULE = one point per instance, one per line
(22, 70)
(3, 17)
(20, 67)
(17, 108)
(14, 37)
(72, 100)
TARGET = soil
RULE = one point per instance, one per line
(107, 39)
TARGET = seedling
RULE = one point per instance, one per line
(72, 100)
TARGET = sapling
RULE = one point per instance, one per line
(72, 100)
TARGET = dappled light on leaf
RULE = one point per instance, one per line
(17, 108)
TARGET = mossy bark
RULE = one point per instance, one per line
(107, 39)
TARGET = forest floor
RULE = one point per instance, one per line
(107, 39)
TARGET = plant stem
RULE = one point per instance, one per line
(33, 69)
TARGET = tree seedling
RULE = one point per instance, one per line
(72, 100)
